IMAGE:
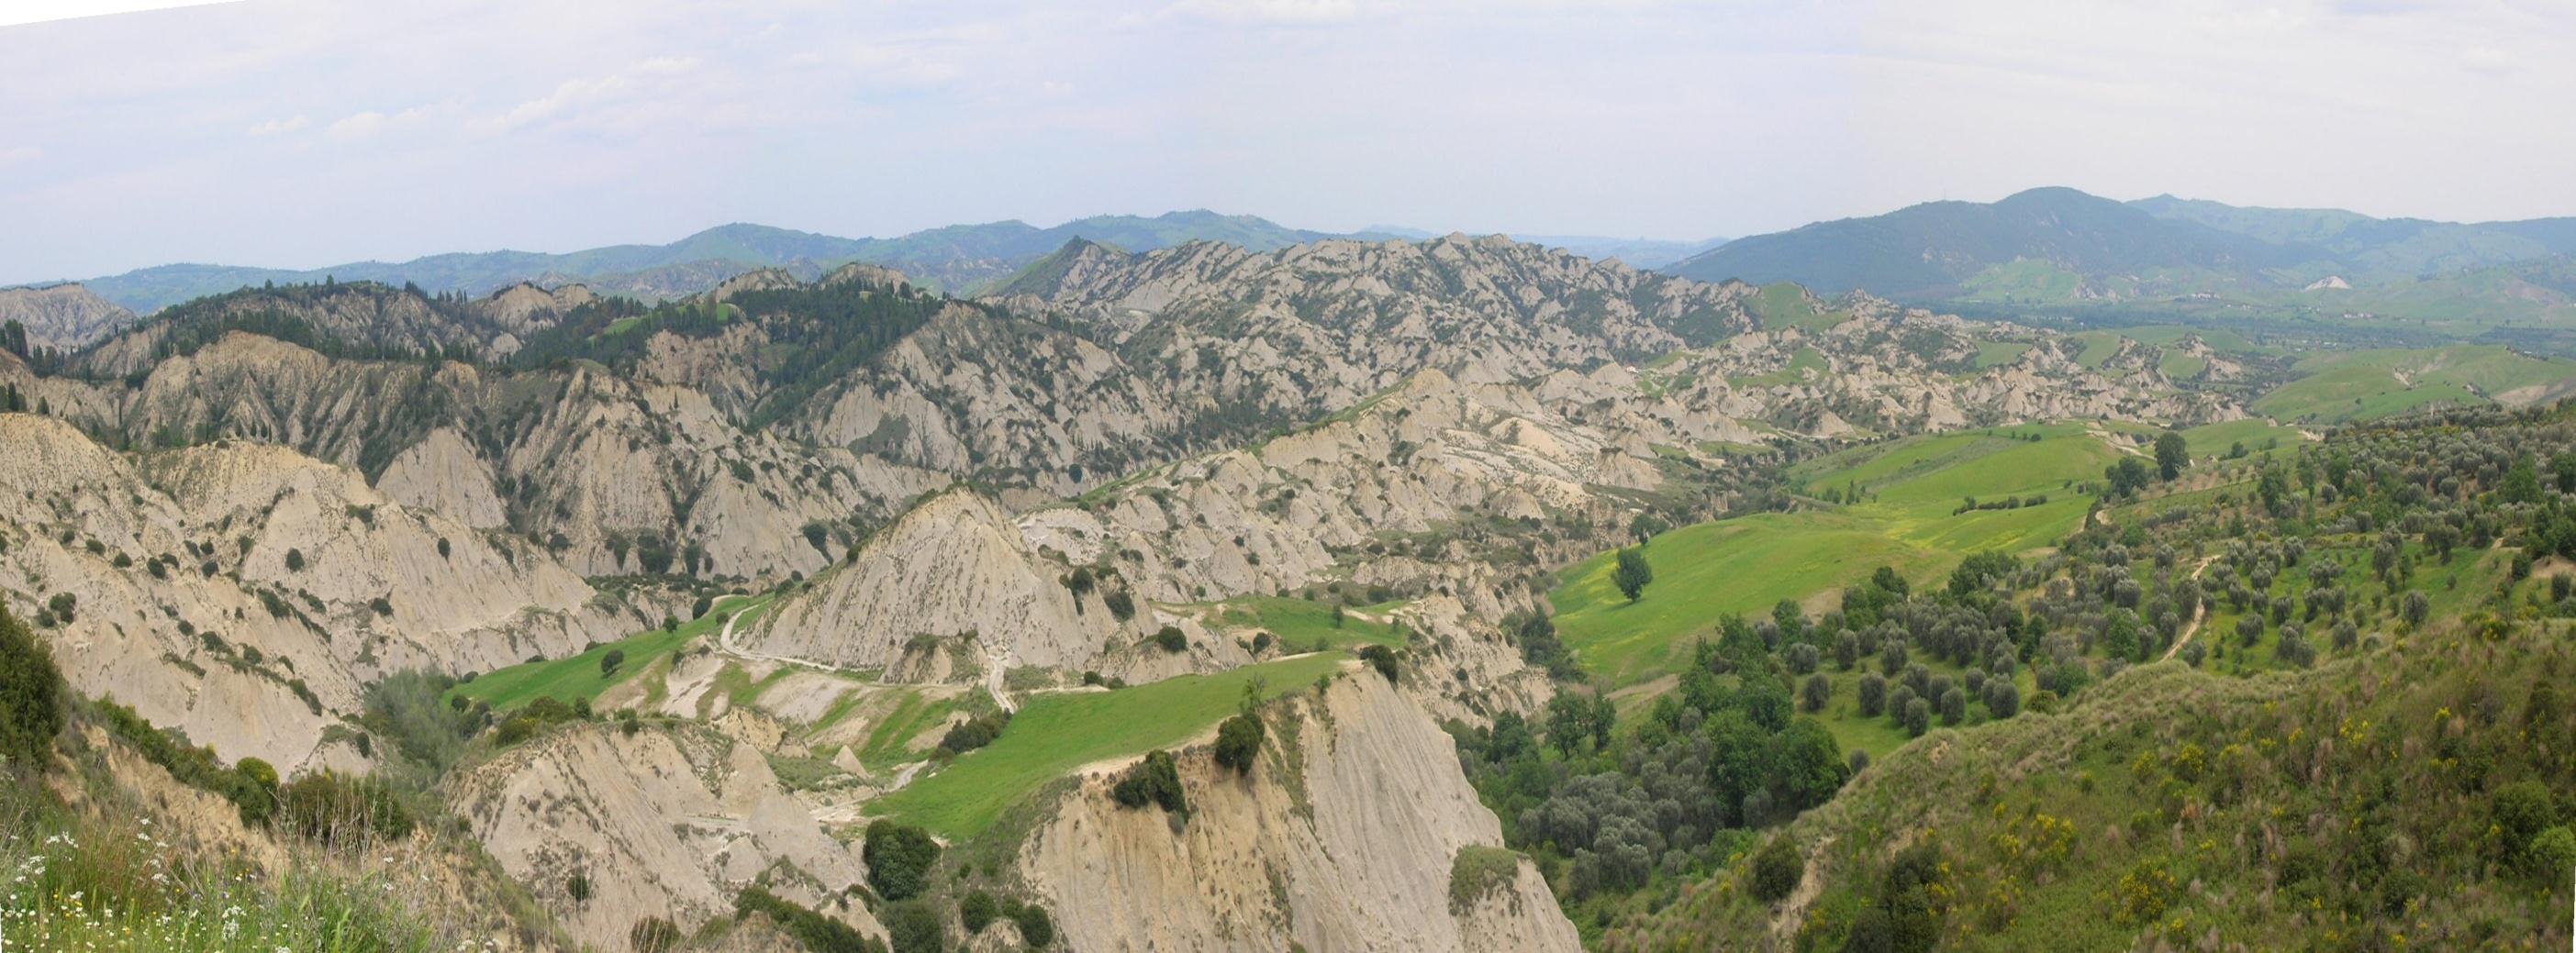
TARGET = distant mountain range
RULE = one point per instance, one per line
(2059, 246)
(1649, 253)
(957, 258)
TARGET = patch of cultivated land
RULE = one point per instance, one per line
(1056, 733)
(2362, 385)
(579, 676)
(1908, 492)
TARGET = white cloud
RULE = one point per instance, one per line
(570, 97)
(366, 124)
(1269, 11)
(2489, 60)
(277, 126)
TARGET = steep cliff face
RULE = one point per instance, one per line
(954, 566)
(1345, 837)
(186, 603)
(668, 823)
(63, 317)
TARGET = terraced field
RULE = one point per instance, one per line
(579, 676)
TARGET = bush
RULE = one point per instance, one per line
(335, 808)
(977, 911)
(1777, 868)
(1381, 658)
(812, 930)
(1238, 743)
(31, 696)
(974, 733)
(1037, 929)
(1156, 780)
(609, 662)
(914, 927)
(294, 560)
(900, 858)
(1121, 604)
(1171, 639)
(381, 605)
(2553, 852)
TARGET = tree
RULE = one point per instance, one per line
(1954, 706)
(608, 663)
(900, 858)
(1171, 640)
(1918, 717)
(1873, 695)
(1238, 743)
(2127, 476)
(1569, 722)
(1817, 692)
(2172, 454)
(1632, 574)
(31, 696)
(294, 560)
(1777, 868)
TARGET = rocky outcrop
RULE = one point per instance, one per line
(955, 566)
(64, 317)
(668, 823)
(245, 594)
(1344, 837)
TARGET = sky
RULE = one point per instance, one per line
(302, 134)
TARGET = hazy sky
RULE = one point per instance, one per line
(302, 134)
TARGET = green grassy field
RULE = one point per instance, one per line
(2361, 385)
(1300, 623)
(2000, 353)
(1747, 565)
(579, 676)
(1053, 734)
(1785, 305)
(2256, 434)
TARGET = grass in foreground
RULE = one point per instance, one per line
(1053, 734)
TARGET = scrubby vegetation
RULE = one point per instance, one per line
(2308, 700)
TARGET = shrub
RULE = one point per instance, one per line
(335, 808)
(2553, 852)
(609, 661)
(443, 550)
(294, 560)
(974, 733)
(1156, 780)
(914, 927)
(1381, 658)
(1238, 743)
(1777, 868)
(1171, 639)
(31, 696)
(698, 609)
(977, 911)
(1121, 604)
(812, 930)
(381, 605)
(1037, 929)
(900, 857)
